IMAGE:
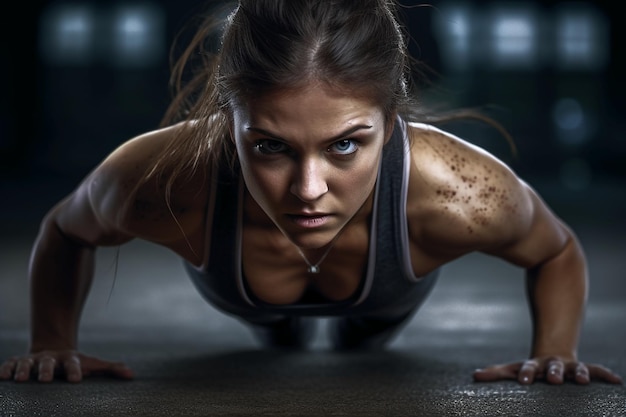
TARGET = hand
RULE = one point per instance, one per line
(48, 364)
(553, 370)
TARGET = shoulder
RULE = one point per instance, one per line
(131, 159)
(460, 195)
(122, 195)
(120, 175)
(131, 184)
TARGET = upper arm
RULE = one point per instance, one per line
(471, 201)
(103, 209)
(543, 236)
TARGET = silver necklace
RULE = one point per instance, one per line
(315, 268)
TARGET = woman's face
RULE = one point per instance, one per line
(309, 158)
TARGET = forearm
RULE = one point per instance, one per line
(61, 272)
(557, 292)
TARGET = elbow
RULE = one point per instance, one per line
(568, 263)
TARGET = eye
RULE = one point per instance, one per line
(269, 146)
(344, 147)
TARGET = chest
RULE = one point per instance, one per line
(276, 272)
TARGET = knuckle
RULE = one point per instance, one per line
(72, 360)
(530, 363)
(27, 361)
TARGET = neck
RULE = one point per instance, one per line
(315, 254)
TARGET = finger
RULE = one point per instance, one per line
(555, 372)
(115, 369)
(496, 373)
(527, 372)
(7, 368)
(581, 375)
(46, 368)
(22, 371)
(95, 366)
(73, 372)
(602, 373)
(120, 370)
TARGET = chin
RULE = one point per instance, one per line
(314, 239)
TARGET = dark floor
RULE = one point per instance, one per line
(191, 360)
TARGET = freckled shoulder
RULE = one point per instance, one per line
(461, 197)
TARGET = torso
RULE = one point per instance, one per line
(275, 270)
(453, 189)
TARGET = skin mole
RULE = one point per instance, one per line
(447, 194)
(477, 190)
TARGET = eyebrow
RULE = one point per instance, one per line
(342, 135)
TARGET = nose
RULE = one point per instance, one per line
(309, 183)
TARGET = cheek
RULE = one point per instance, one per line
(357, 184)
(265, 186)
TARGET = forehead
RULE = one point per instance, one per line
(317, 104)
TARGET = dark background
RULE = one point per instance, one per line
(63, 110)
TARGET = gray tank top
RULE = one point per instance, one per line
(389, 285)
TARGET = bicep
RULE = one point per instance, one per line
(116, 202)
(92, 213)
(100, 211)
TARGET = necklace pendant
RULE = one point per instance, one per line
(313, 269)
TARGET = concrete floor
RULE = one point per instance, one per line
(191, 360)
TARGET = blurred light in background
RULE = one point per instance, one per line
(543, 62)
(138, 36)
(582, 37)
(453, 28)
(572, 129)
(571, 123)
(520, 36)
(129, 36)
(68, 35)
(513, 38)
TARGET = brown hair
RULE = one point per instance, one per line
(268, 45)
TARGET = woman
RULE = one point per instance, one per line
(298, 182)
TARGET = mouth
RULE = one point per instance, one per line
(309, 220)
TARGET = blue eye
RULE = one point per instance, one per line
(269, 146)
(344, 147)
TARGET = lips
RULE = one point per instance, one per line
(309, 220)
